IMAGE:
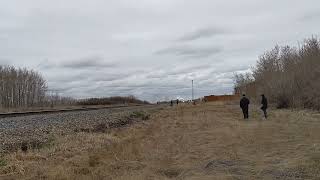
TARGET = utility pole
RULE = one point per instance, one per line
(192, 91)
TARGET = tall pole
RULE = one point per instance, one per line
(192, 91)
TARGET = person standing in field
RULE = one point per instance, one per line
(264, 103)
(244, 104)
(171, 103)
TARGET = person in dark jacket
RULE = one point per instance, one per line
(264, 103)
(244, 104)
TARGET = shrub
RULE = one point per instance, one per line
(289, 76)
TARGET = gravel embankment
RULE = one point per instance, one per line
(37, 129)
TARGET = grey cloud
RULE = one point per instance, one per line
(79, 63)
(87, 62)
(64, 77)
(178, 70)
(190, 51)
(44, 64)
(203, 33)
(109, 77)
(114, 74)
(310, 17)
(156, 74)
(231, 69)
(4, 61)
(189, 69)
(151, 49)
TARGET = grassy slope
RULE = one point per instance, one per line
(208, 141)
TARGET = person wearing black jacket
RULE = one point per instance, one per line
(264, 103)
(244, 104)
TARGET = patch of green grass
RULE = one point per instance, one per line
(3, 162)
(48, 144)
(140, 114)
(137, 114)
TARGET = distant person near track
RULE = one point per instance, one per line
(264, 103)
(244, 104)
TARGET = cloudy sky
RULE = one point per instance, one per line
(148, 48)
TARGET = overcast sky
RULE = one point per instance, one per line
(148, 48)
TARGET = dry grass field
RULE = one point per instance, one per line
(206, 141)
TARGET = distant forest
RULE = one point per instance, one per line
(21, 88)
(111, 100)
(289, 76)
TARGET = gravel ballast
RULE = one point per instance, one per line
(35, 130)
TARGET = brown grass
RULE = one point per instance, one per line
(207, 141)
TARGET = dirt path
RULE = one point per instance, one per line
(208, 141)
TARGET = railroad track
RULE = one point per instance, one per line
(28, 113)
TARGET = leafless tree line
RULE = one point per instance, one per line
(55, 100)
(289, 76)
(21, 87)
(111, 100)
